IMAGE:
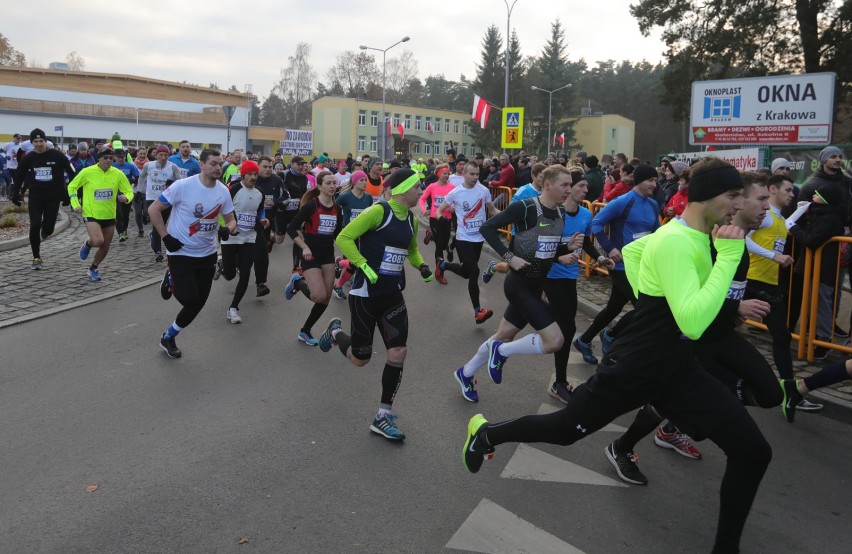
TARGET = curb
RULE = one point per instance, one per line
(79, 303)
(63, 223)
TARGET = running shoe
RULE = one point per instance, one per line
(625, 465)
(158, 257)
(45, 236)
(489, 272)
(233, 316)
(820, 353)
(840, 333)
(168, 344)
(337, 269)
(141, 233)
(805, 405)
(466, 384)
(606, 341)
(495, 361)
(476, 450)
(439, 273)
(428, 237)
(262, 290)
(166, 285)
(791, 399)
(326, 340)
(678, 442)
(84, 250)
(220, 266)
(561, 392)
(482, 315)
(585, 350)
(94, 274)
(339, 293)
(122, 237)
(307, 338)
(386, 427)
(36, 264)
(290, 289)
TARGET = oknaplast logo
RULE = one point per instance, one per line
(722, 108)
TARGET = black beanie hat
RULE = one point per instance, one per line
(644, 172)
(37, 134)
(706, 184)
(106, 152)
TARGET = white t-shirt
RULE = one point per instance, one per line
(156, 178)
(195, 214)
(340, 178)
(11, 151)
(470, 205)
(246, 204)
(456, 180)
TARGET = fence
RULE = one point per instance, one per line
(810, 299)
(501, 197)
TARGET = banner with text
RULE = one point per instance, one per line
(298, 142)
(806, 161)
(744, 159)
(784, 109)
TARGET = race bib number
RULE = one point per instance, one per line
(43, 174)
(327, 224)
(439, 200)
(737, 290)
(183, 173)
(204, 228)
(158, 186)
(246, 220)
(473, 225)
(637, 236)
(392, 261)
(355, 213)
(545, 248)
(779, 245)
(103, 194)
(292, 205)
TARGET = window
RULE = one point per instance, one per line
(396, 120)
(361, 143)
(416, 147)
(362, 117)
(407, 121)
(613, 133)
(374, 119)
(447, 144)
(437, 148)
(427, 147)
(418, 120)
(456, 127)
(429, 128)
(437, 125)
(464, 127)
(374, 145)
(464, 149)
(446, 125)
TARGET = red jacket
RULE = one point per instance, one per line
(611, 192)
(506, 179)
(678, 202)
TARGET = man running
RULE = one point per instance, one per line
(378, 242)
(680, 291)
(43, 172)
(472, 204)
(123, 209)
(102, 186)
(185, 161)
(153, 180)
(190, 239)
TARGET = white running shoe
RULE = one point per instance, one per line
(233, 316)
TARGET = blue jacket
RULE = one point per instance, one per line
(187, 168)
(630, 217)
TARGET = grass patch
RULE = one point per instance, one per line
(13, 209)
(8, 221)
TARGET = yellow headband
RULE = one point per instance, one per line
(404, 186)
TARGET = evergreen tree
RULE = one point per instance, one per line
(490, 78)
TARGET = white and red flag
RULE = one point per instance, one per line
(481, 110)
(401, 129)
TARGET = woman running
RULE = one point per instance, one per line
(439, 226)
(352, 202)
(313, 230)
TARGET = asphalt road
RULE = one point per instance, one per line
(253, 436)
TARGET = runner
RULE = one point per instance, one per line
(238, 252)
(439, 225)
(680, 291)
(190, 240)
(268, 183)
(472, 204)
(377, 243)
(123, 209)
(140, 215)
(539, 222)
(374, 179)
(313, 230)
(102, 186)
(288, 201)
(185, 161)
(352, 203)
(43, 172)
(154, 178)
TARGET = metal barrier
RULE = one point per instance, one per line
(813, 294)
(502, 197)
(586, 260)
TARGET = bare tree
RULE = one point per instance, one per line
(8, 54)
(354, 72)
(399, 72)
(297, 80)
(75, 61)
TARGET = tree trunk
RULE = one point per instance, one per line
(807, 12)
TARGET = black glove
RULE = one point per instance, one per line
(172, 244)
(426, 273)
(16, 199)
(224, 234)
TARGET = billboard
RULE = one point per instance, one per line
(298, 142)
(784, 109)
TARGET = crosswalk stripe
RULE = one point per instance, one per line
(493, 529)
(531, 463)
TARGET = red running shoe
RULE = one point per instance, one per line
(428, 238)
(678, 442)
(439, 274)
(482, 315)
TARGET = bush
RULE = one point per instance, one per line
(8, 221)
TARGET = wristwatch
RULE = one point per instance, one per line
(601, 259)
(508, 256)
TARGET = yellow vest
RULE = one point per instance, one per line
(772, 238)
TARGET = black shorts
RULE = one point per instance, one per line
(281, 221)
(318, 261)
(388, 312)
(525, 302)
(104, 223)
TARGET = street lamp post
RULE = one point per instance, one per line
(550, 106)
(384, 79)
(508, 20)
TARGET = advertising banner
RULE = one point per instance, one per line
(298, 142)
(744, 159)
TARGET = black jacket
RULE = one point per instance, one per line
(821, 223)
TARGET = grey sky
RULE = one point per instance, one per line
(222, 42)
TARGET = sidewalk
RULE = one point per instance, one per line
(62, 283)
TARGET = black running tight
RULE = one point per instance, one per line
(562, 297)
(469, 253)
(43, 211)
(192, 279)
(237, 257)
(621, 294)
(440, 235)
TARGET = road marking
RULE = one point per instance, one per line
(610, 428)
(536, 465)
(493, 529)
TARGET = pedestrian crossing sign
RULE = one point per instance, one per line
(512, 134)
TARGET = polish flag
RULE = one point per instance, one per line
(481, 110)
(401, 129)
(561, 139)
(388, 132)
